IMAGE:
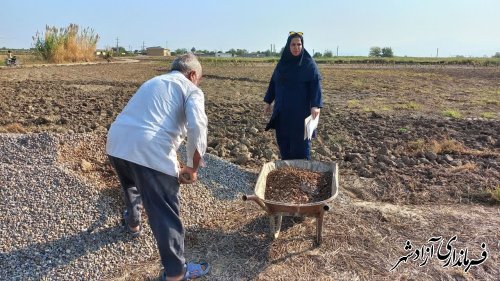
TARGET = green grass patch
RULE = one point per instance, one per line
(353, 103)
(413, 105)
(453, 113)
(357, 83)
(492, 102)
(495, 193)
(488, 115)
(409, 106)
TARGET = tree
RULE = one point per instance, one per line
(317, 55)
(328, 54)
(375, 52)
(181, 51)
(497, 55)
(241, 52)
(193, 50)
(387, 52)
(121, 50)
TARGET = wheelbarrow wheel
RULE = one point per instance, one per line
(275, 225)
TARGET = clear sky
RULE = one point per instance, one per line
(409, 27)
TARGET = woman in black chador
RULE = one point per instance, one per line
(295, 89)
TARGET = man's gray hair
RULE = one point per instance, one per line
(186, 63)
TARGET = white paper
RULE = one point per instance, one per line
(310, 125)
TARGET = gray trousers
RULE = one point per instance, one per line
(158, 194)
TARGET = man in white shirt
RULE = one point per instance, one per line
(142, 147)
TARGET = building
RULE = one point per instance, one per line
(100, 52)
(157, 51)
(223, 55)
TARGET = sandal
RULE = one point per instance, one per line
(133, 233)
(193, 270)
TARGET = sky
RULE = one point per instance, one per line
(416, 28)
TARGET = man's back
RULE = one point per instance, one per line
(152, 125)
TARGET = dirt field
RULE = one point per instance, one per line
(418, 150)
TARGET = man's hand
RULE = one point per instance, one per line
(188, 175)
(315, 112)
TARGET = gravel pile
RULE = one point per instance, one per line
(57, 226)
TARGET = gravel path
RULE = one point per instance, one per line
(57, 226)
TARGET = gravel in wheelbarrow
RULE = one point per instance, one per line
(298, 186)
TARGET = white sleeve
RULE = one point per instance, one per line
(196, 126)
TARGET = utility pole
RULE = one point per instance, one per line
(437, 52)
(143, 46)
(117, 45)
(337, 50)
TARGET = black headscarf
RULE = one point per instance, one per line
(297, 68)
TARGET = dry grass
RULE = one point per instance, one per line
(362, 241)
(436, 146)
(13, 128)
(446, 146)
(68, 44)
(470, 167)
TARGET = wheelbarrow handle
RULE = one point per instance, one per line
(257, 200)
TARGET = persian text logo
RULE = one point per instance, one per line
(450, 256)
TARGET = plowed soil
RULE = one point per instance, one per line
(382, 123)
(415, 142)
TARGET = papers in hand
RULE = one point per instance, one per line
(310, 125)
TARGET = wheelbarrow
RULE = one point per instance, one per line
(276, 210)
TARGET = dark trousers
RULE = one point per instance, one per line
(158, 194)
(293, 148)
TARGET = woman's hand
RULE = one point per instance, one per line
(267, 109)
(315, 112)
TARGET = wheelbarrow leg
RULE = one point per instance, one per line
(275, 225)
(319, 227)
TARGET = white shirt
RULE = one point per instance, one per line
(155, 121)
